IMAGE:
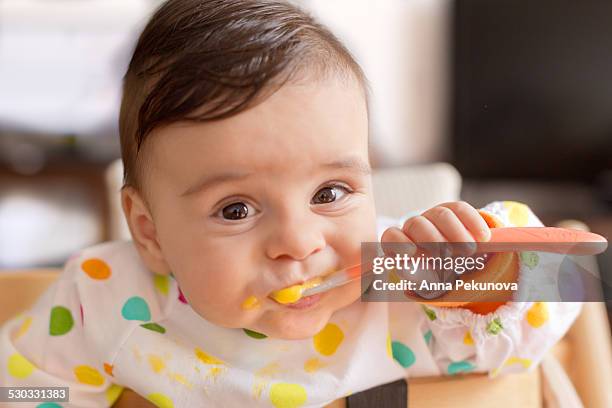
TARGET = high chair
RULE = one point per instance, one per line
(577, 372)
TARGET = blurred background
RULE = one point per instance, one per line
(516, 94)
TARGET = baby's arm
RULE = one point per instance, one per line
(47, 346)
(513, 337)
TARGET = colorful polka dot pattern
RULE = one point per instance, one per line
(287, 395)
(427, 337)
(495, 326)
(530, 259)
(328, 340)
(136, 308)
(88, 375)
(108, 369)
(313, 364)
(19, 366)
(61, 321)
(467, 339)
(154, 327)
(431, 314)
(24, 327)
(460, 367)
(161, 283)
(181, 297)
(206, 358)
(96, 269)
(254, 334)
(160, 400)
(113, 393)
(537, 314)
(518, 213)
(403, 354)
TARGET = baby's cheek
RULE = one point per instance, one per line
(216, 296)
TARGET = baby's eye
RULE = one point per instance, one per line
(329, 194)
(235, 211)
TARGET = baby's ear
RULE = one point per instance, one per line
(143, 231)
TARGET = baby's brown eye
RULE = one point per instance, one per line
(235, 211)
(324, 195)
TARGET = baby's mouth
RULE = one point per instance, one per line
(293, 294)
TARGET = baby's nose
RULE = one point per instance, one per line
(295, 239)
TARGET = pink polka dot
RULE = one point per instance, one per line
(181, 297)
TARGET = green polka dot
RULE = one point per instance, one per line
(530, 259)
(154, 327)
(254, 334)
(460, 367)
(430, 313)
(402, 354)
(135, 308)
(61, 321)
(427, 336)
(48, 405)
(161, 283)
(495, 326)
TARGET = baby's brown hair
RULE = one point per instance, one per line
(204, 60)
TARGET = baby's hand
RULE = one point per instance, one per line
(449, 222)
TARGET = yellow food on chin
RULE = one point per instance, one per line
(250, 303)
(293, 293)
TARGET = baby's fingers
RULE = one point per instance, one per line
(394, 241)
(449, 225)
(471, 219)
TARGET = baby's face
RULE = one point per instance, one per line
(272, 197)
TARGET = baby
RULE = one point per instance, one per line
(244, 135)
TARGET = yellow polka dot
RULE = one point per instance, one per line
(525, 362)
(156, 363)
(181, 379)
(389, 348)
(161, 283)
(518, 213)
(207, 358)
(537, 314)
(327, 340)
(24, 327)
(160, 400)
(88, 375)
(467, 339)
(312, 365)
(112, 393)
(250, 303)
(214, 372)
(19, 366)
(96, 268)
(286, 395)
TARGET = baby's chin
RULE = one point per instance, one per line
(291, 324)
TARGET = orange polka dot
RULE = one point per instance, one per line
(467, 339)
(537, 315)
(108, 368)
(96, 268)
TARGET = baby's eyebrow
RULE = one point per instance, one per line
(208, 181)
(351, 162)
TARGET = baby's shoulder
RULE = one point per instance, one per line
(114, 284)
